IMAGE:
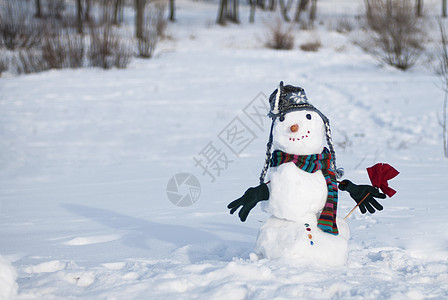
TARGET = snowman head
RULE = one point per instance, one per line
(297, 126)
(301, 132)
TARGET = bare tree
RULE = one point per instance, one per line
(118, 12)
(253, 6)
(222, 12)
(139, 17)
(444, 8)
(301, 6)
(368, 6)
(228, 11)
(55, 8)
(38, 9)
(284, 9)
(397, 35)
(87, 10)
(419, 8)
(172, 9)
(443, 71)
(79, 16)
(235, 11)
(313, 10)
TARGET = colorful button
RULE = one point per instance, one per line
(309, 229)
(307, 225)
(310, 236)
(312, 243)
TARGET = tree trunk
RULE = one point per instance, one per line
(79, 16)
(389, 7)
(419, 8)
(313, 10)
(253, 5)
(139, 15)
(38, 9)
(284, 10)
(445, 125)
(368, 8)
(235, 11)
(301, 6)
(222, 12)
(272, 5)
(172, 10)
(117, 8)
(444, 8)
(288, 5)
(87, 11)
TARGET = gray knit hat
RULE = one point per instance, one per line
(290, 98)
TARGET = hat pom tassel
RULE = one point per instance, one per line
(339, 172)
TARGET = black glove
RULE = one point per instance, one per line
(250, 198)
(358, 192)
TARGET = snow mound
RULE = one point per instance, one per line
(8, 284)
(81, 241)
(46, 267)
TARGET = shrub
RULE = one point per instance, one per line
(76, 50)
(63, 49)
(18, 30)
(311, 46)
(53, 51)
(106, 50)
(154, 27)
(55, 8)
(147, 44)
(160, 21)
(3, 63)
(397, 35)
(344, 26)
(100, 48)
(28, 61)
(279, 35)
(29, 44)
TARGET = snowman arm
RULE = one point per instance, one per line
(363, 196)
(249, 200)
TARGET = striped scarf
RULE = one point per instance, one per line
(312, 163)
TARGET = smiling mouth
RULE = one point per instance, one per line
(298, 138)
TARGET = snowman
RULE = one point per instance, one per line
(301, 191)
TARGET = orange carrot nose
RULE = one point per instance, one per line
(294, 128)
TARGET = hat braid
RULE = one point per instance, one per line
(268, 154)
(339, 172)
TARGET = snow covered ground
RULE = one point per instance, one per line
(86, 156)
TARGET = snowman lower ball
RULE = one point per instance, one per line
(301, 189)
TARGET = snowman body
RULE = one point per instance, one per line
(297, 197)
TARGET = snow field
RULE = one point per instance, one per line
(86, 156)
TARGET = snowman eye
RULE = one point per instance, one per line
(308, 116)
